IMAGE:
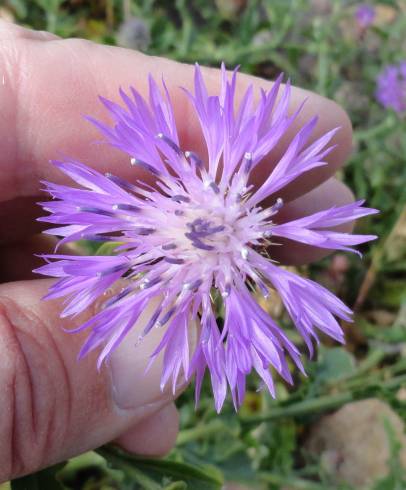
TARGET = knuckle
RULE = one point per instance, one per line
(35, 399)
(9, 30)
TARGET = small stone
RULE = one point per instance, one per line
(352, 443)
(134, 33)
(262, 38)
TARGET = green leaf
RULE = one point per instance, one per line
(154, 474)
(46, 479)
(335, 363)
(108, 248)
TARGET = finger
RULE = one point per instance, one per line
(9, 30)
(331, 193)
(52, 406)
(154, 436)
(18, 260)
(49, 114)
(18, 216)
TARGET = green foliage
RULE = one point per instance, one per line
(46, 479)
(113, 469)
(317, 44)
(154, 474)
(334, 364)
(108, 248)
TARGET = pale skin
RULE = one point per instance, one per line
(51, 406)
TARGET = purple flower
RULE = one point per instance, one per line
(197, 237)
(391, 87)
(364, 15)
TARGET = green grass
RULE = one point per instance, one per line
(322, 52)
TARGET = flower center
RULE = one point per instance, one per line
(201, 233)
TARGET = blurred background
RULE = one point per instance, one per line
(343, 426)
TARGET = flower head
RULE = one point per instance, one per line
(198, 236)
(391, 87)
(364, 15)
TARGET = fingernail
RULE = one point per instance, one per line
(131, 387)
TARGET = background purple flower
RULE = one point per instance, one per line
(199, 235)
(391, 87)
(365, 15)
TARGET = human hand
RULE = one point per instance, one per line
(53, 407)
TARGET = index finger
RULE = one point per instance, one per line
(48, 86)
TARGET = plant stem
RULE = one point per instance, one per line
(189, 435)
(320, 404)
(304, 407)
(294, 483)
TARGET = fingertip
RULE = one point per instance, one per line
(331, 116)
(329, 194)
(334, 116)
(154, 436)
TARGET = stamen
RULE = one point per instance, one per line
(193, 285)
(247, 163)
(125, 207)
(244, 253)
(146, 166)
(173, 260)
(216, 229)
(169, 246)
(262, 287)
(151, 322)
(199, 244)
(143, 230)
(148, 283)
(196, 222)
(180, 198)
(98, 238)
(278, 205)
(170, 143)
(117, 297)
(201, 228)
(227, 291)
(111, 270)
(121, 182)
(214, 187)
(103, 212)
(166, 317)
(191, 156)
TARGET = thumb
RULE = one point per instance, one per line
(52, 406)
